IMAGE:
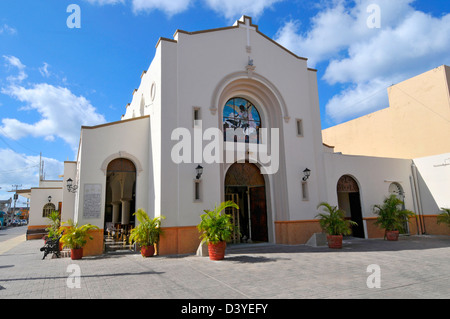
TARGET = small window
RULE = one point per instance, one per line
(299, 127)
(196, 116)
(305, 195)
(197, 191)
(48, 208)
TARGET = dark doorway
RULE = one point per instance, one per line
(349, 200)
(245, 184)
(356, 214)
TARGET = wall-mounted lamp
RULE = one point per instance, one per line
(199, 170)
(306, 174)
(70, 187)
(49, 199)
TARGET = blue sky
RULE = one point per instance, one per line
(53, 78)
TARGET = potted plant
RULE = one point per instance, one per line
(333, 222)
(216, 229)
(147, 233)
(53, 229)
(392, 217)
(75, 237)
(444, 217)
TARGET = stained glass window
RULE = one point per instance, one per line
(241, 121)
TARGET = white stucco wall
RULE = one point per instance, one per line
(192, 69)
(39, 197)
(101, 144)
(434, 182)
(373, 175)
(68, 207)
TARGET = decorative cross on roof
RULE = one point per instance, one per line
(248, 26)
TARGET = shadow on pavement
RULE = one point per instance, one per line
(350, 244)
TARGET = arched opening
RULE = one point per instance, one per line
(245, 185)
(120, 203)
(349, 200)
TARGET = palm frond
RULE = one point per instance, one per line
(444, 217)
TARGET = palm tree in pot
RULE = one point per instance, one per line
(333, 222)
(216, 229)
(75, 237)
(53, 229)
(147, 233)
(392, 217)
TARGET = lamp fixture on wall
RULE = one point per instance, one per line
(199, 170)
(70, 187)
(49, 199)
(306, 174)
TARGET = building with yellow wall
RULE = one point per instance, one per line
(416, 123)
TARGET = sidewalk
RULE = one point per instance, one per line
(413, 267)
(11, 243)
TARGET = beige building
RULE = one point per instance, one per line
(416, 123)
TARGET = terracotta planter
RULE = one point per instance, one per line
(217, 251)
(76, 253)
(392, 235)
(147, 251)
(334, 241)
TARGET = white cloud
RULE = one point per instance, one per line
(367, 60)
(14, 62)
(24, 170)
(62, 113)
(230, 9)
(358, 100)
(171, 7)
(6, 29)
(418, 38)
(234, 9)
(44, 70)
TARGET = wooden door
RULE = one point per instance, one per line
(258, 213)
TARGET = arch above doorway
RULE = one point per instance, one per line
(257, 84)
(244, 175)
(347, 184)
(121, 154)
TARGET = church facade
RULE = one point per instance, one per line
(221, 114)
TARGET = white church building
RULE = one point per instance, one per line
(246, 110)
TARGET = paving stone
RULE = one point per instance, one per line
(413, 267)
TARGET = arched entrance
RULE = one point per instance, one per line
(245, 185)
(349, 200)
(120, 203)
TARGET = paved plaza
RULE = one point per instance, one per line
(414, 267)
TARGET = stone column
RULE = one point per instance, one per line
(125, 211)
(115, 211)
